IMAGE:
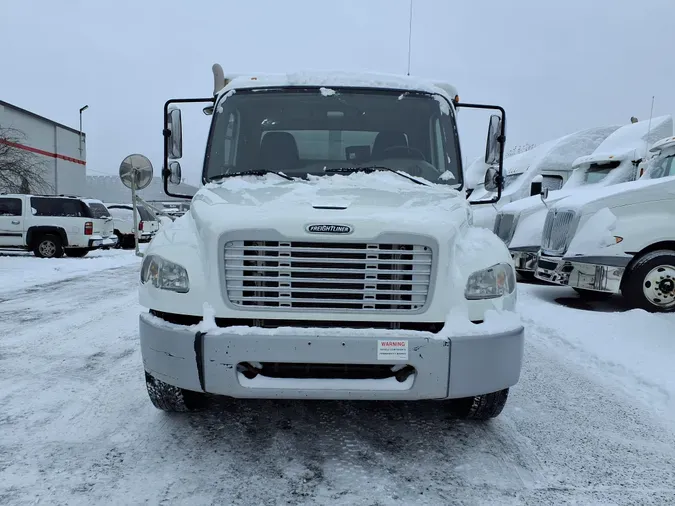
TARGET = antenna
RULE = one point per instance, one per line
(410, 34)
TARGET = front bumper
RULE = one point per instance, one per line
(600, 274)
(525, 259)
(207, 362)
(102, 242)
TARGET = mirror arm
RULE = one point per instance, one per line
(502, 144)
(166, 132)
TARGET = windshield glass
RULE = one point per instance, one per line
(597, 172)
(662, 166)
(306, 132)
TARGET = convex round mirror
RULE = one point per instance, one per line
(136, 170)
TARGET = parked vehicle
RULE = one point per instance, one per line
(549, 165)
(123, 215)
(618, 239)
(53, 225)
(617, 160)
(329, 253)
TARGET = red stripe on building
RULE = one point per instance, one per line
(42, 152)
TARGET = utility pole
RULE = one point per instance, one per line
(82, 109)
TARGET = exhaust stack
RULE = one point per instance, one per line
(218, 78)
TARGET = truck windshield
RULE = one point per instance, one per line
(596, 172)
(302, 132)
(659, 167)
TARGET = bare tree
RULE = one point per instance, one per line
(20, 171)
(521, 148)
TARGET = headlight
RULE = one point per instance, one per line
(490, 283)
(164, 274)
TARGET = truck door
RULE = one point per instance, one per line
(11, 222)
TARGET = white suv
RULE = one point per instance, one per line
(123, 215)
(53, 225)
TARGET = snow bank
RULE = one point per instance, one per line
(23, 270)
(632, 349)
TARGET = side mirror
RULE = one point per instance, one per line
(535, 187)
(544, 194)
(491, 179)
(136, 172)
(493, 144)
(175, 134)
(175, 176)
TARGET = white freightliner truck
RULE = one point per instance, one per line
(616, 160)
(329, 254)
(619, 239)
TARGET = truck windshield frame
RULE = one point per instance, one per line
(661, 166)
(314, 129)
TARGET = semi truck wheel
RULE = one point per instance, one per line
(650, 282)
(480, 407)
(173, 399)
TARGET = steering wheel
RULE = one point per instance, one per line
(404, 152)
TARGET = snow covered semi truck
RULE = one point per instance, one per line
(329, 253)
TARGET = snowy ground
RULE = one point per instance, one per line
(591, 422)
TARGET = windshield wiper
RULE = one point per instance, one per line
(373, 168)
(251, 172)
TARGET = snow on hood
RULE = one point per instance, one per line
(599, 196)
(630, 140)
(594, 235)
(393, 194)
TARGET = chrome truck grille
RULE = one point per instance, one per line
(305, 276)
(557, 229)
(505, 227)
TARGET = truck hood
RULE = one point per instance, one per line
(620, 194)
(272, 202)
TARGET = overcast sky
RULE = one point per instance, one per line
(556, 67)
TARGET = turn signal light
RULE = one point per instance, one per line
(618, 239)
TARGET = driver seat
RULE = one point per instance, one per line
(386, 140)
(278, 151)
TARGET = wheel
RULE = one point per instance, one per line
(76, 252)
(480, 407)
(591, 295)
(119, 240)
(173, 399)
(48, 246)
(650, 282)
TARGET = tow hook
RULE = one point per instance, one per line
(403, 374)
(248, 370)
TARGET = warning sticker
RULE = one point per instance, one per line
(392, 350)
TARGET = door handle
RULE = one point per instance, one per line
(16, 222)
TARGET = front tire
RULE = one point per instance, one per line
(650, 282)
(481, 407)
(48, 246)
(76, 252)
(173, 399)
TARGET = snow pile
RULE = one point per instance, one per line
(594, 235)
(24, 270)
(327, 92)
(633, 349)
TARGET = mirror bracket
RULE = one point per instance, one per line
(166, 133)
(501, 138)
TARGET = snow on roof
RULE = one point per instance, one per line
(630, 140)
(338, 79)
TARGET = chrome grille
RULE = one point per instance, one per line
(504, 227)
(297, 276)
(556, 231)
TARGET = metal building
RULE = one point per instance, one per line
(61, 149)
